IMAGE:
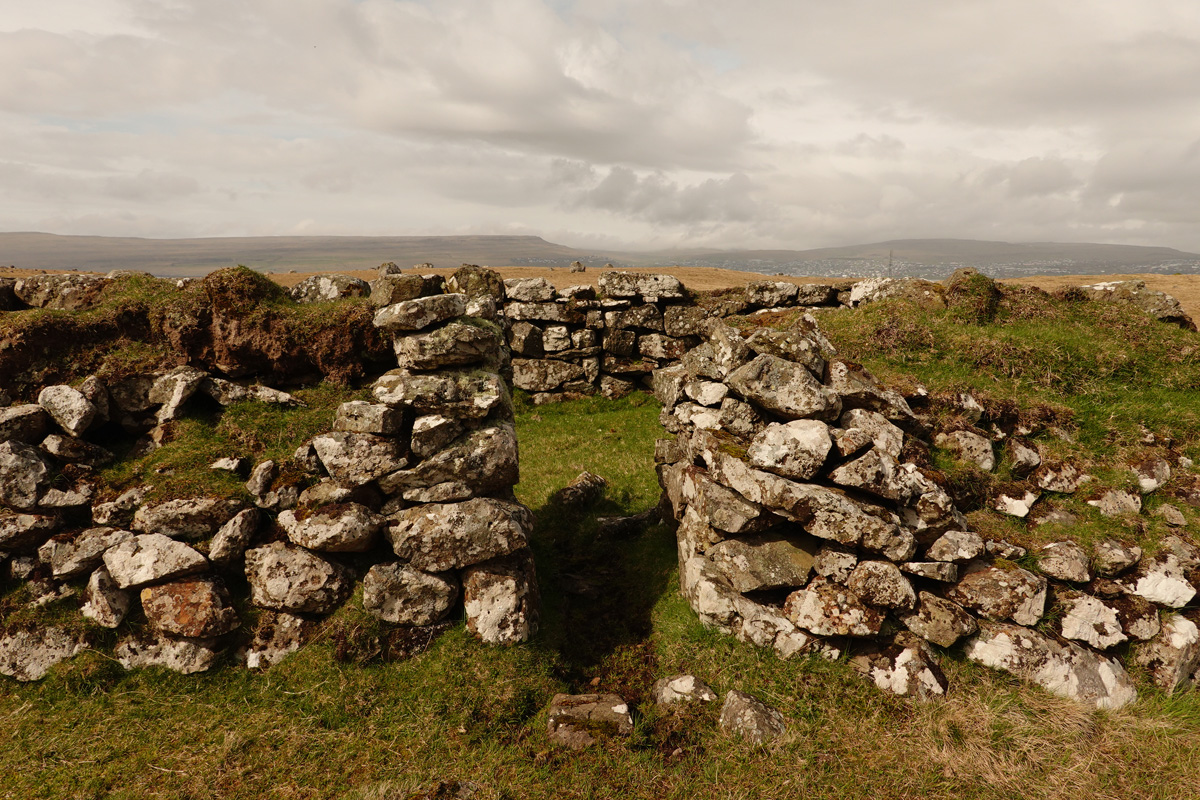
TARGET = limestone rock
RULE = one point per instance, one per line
(358, 416)
(66, 291)
(1024, 457)
(939, 621)
(765, 561)
(906, 666)
(684, 320)
(828, 609)
(340, 528)
(769, 294)
(475, 281)
(529, 290)
(1058, 477)
(1173, 655)
(1112, 557)
(1016, 504)
(791, 345)
(581, 720)
(1138, 616)
(419, 313)
(1087, 619)
(651, 288)
(943, 571)
(858, 388)
(525, 339)
(1151, 473)
(1117, 503)
(431, 433)
(794, 450)
(1064, 561)
(399, 594)
(19, 532)
(879, 583)
(834, 564)
(956, 546)
(232, 538)
(467, 394)
(501, 600)
(1067, 669)
(24, 476)
(886, 437)
(749, 718)
(29, 655)
(453, 344)
(681, 689)
(24, 423)
(1171, 515)
(191, 518)
(120, 510)
(325, 288)
(357, 458)
(151, 557)
(185, 656)
(998, 594)
(706, 393)
(171, 391)
(193, 608)
(287, 578)
(1161, 580)
(73, 412)
(436, 538)
(543, 375)
(482, 461)
(969, 447)
(105, 603)
(82, 553)
(276, 635)
(784, 388)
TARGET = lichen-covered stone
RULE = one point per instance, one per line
(399, 594)
(1002, 593)
(151, 557)
(189, 518)
(1173, 655)
(905, 666)
(749, 718)
(105, 603)
(73, 412)
(879, 583)
(72, 556)
(1112, 557)
(185, 656)
(794, 450)
(956, 546)
(827, 609)
(765, 561)
(24, 476)
(1064, 561)
(421, 312)
(784, 388)
(340, 528)
(357, 458)
(482, 461)
(581, 720)
(439, 537)
(501, 599)
(288, 578)
(453, 344)
(681, 689)
(969, 447)
(1087, 619)
(29, 655)
(465, 394)
(939, 621)
(193, 608)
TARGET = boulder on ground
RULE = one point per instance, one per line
(193, 608)
(1173, 655)
(29, 655)
(185, 656)
(287, 578)
(399, 594)
(749, 718)
(905, 666)
(969, 447)
(581, 720)
(276, 634)
(324, 288)
(681, 689)
(500, 598)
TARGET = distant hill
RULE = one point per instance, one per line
(931, 258)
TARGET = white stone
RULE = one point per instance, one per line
(1088, 620)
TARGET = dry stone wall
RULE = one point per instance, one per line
(803, 527)
(411, 495)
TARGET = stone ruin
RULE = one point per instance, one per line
(803, 525)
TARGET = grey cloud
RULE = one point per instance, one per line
(657, 199)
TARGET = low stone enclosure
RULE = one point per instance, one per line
(802, 523)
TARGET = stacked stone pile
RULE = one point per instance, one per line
(804, 527)
(412, 494)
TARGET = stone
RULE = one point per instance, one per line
(997, 593)
(72, 497)
(651, 288)
(276, 635)
(82, 553)
(556, 338)
(151, 557)
(525, 339)
(940, 621)
(1138, 616)
(1087, 619)
(29, 655)
(1159, 305)
(261, 479)
(1064, 669)
(329, 287)
(1024, 458)
(729, 349)
(461, 394)
(481, 461)
(765, 561)
(185, 656)
(436, 538)
(679, 689)
(1117, 503)
(706, 393)
(419, 313)
(194, 608)
(834, 564)
(875, 472)
(1053, 476)
(893, 542)
(1064, 561)
(1016, 504)
(561, 313)
(191, 518)
(1112, 557)
(1171, 515)
(529, 290)
(582, 720)
(1173, 655)
(792, 345)
(1001, 548)
(24, 476)
(476, 281)
(886, 437)
(749, 718)
(721, 507)
(120, 510)
(942, 571)
(341, 528)
(1151, 473)
(452, 344)
(827, 609)
(171, 391)
(357, 458)
(230, 464)
(65, 291)
(905, 666)
(543, 375)
(288, 578)
(770, 294)
(1160, 580)
(359, 416)
(956, 546)
(24, 423)
(857, 388)
(105, 603)
(784, 388)
(399, 594)
(684, 320)
(969, 447)
(584, 491)
(879, 583)
(501, 600)
(614, 388)
(131, 394)
(794, 450)
(20, 532)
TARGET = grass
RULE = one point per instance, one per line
(337, 720)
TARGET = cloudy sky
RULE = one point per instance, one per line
(609, 123)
